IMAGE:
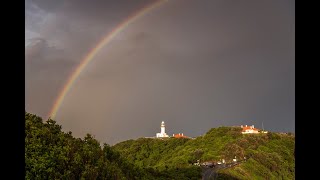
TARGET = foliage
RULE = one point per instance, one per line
(268, 155)
(51, 153)
(271, 156)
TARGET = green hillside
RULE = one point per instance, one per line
(51, 153)
(269, 156)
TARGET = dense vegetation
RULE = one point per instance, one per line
(51, 153)
(269, 156)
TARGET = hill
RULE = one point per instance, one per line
(267, 156)
(51, 153)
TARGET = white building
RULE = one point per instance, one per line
(235, 159)
(249, 129)
(163, 131)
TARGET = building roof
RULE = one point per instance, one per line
(180, 136)
(244, 128)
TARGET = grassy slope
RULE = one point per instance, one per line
(269, 155)
(51, 153)
(273, 159)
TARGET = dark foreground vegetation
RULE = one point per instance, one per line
(51, 153)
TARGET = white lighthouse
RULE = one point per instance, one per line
(163, 131)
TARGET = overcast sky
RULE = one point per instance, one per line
(195, 64)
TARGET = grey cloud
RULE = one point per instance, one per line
(46, 70)
(63, 32)
(193, 64)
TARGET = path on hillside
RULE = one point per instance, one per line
(210, 173)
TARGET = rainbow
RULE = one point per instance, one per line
(90, 56)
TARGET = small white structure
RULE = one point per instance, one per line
(162, 132)
(235, 159)
(197, 163)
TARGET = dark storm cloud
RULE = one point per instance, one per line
(77, 25)
(41, 57)
(58, 35)
(96, 10)
(46, 68)
(193, 64)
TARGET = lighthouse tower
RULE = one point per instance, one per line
(163, 128)
(163, 131)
